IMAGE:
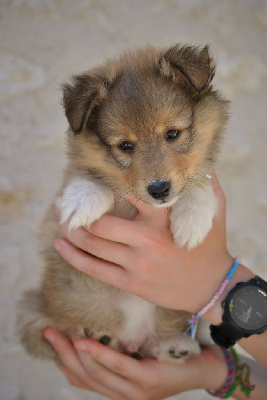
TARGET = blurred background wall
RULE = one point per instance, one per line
(44, 42)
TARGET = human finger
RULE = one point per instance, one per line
(89, 384)
(131, 232)
(147, 211)
(73, 380)
(108, 378)
(117, 229)
(99, 269)
(65, 350)
(73, 366)
(81, 376)
(218, 191)
(219, 222)
(95, 245)
(215, 182)
(119, 363)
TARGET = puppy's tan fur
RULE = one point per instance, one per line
(136, 98)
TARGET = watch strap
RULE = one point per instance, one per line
(224, 335)
(260, 281)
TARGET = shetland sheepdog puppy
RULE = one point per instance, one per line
(147, 123)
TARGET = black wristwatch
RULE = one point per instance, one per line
(245, 313)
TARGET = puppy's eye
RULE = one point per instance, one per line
(126, 146)
(173, 134)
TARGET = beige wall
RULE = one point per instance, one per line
(43, 42)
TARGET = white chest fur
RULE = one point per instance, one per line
(139, 317)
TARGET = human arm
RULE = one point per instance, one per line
(141, 257)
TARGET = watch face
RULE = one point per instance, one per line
(248, 308)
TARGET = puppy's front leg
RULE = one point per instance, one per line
(191, 217)
(83, 202)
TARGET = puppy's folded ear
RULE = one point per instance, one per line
(190, 66)
(81, 97)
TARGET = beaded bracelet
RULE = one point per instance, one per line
(238, 374)
(193, 321)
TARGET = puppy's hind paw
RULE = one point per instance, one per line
(103, 337)
(83, 202)
(176, 349)
(31, 321)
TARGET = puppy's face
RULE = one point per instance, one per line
(147, 126)
(148, 123)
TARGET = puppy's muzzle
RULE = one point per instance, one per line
(159, 189)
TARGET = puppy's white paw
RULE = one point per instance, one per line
(191, 218)
(203, 333)
(83, 202)
(176, 349)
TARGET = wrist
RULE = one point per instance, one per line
(238, 376)
(214, 360)
(215, 313)
(199, 371)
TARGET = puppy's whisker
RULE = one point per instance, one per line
(199, 177)
(126, 193)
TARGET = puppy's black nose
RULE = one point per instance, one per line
(159, 189)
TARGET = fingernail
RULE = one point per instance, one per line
(59, 244)
(81, 346)
(49, 336)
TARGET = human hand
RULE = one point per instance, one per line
(91, 366)
(140, 256)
